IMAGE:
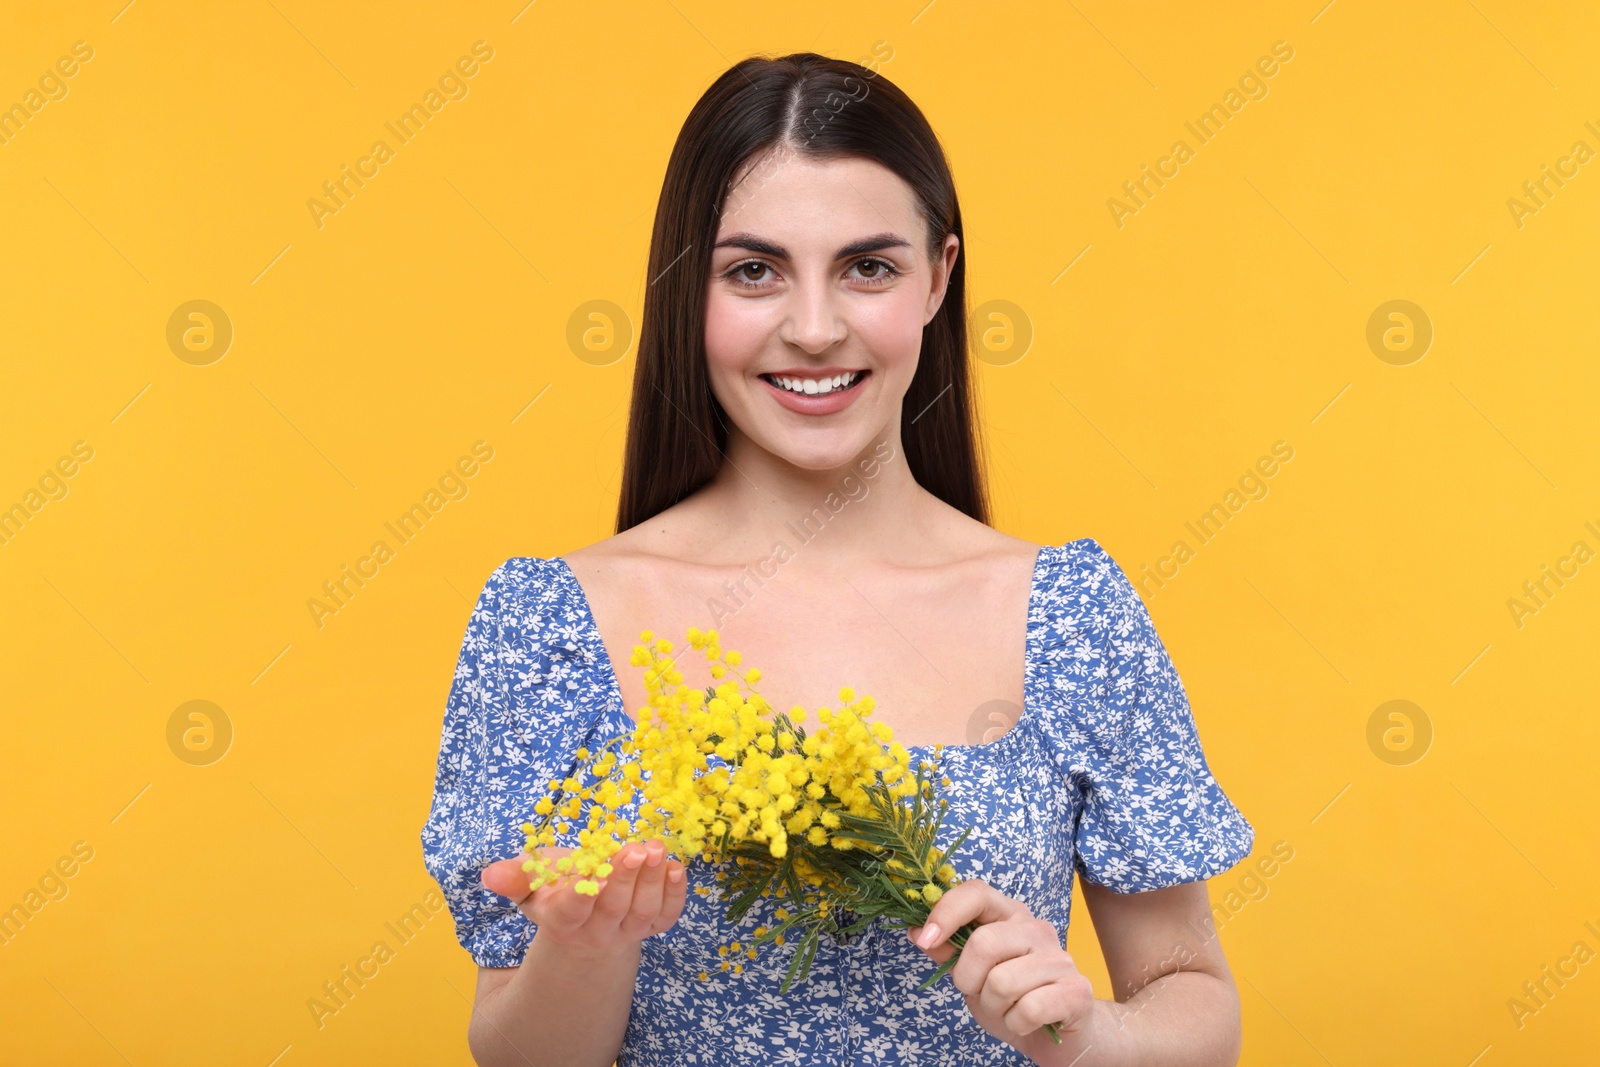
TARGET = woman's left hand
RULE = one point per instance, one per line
(1014, 973)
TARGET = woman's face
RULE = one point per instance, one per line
(820, 286)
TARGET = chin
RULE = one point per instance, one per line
(838, 450)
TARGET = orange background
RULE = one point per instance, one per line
(1165, 356)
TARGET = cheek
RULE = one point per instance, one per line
(736, 333)
(891, 328)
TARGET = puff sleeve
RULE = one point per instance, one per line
(1152, 815)
(512, 722)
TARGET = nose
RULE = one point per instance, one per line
(811, 321)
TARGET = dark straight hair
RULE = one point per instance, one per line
(821, 108)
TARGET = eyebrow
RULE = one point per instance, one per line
(751, 243)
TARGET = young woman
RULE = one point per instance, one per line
(803, 474)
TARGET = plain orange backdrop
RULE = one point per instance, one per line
(1164, 356)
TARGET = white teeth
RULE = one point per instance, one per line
(816, 386)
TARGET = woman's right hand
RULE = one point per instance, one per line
(643, 895)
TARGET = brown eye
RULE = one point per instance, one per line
(876, 271)
(746, 275)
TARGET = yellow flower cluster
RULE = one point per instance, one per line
(823, 818)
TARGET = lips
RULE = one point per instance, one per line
(817, 403)
(856, 379)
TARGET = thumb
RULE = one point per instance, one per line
(507, 878)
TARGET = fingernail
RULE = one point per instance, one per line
(675, 875)
(929, 936)
(632, 860)
(654, 858)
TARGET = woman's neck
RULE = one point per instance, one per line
(868, 509)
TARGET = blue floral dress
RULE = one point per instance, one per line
(1102, 773)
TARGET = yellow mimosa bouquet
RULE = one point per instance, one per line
(834, 823)
(818, 818)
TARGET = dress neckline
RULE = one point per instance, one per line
(616, 705)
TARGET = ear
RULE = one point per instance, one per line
(941, 275)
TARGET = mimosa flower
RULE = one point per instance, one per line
(834, 823)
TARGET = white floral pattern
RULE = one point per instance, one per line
(1103, 773)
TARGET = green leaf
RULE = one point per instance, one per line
(944, 969)
(802, 960)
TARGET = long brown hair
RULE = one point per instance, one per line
(822, 108)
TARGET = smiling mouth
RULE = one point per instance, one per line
(839, 383)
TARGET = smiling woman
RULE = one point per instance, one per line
(752, 142)
(807, 313)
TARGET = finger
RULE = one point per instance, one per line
(559, 906)
(938, 953)
(971, 901)
(648, 891)
(1062, 1003)
(993, 944)
(674, 896)
(616, 889)
(507, 878)
(1013, 980)
(558, 903)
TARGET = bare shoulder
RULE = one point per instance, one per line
(999, 544)
(641, 550)
(618, 554)
(965, 542)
